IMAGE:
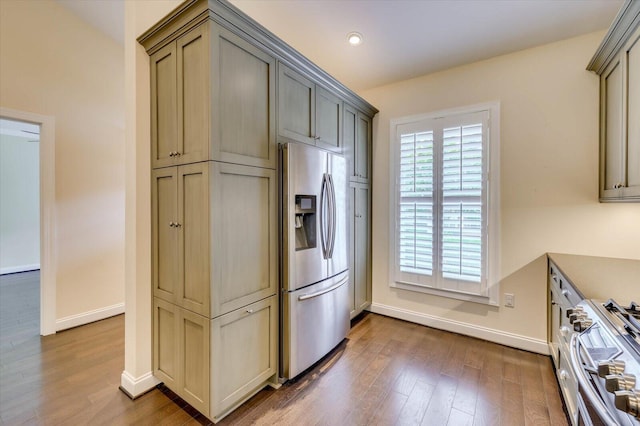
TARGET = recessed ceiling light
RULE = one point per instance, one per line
(355, 38)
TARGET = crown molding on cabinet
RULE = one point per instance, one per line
(192, 12)
(625, 23)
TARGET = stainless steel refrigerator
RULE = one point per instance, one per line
(315, 267)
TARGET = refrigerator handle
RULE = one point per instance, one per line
(332, 220)
(324, 198)
(321, 292)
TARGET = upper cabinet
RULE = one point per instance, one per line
(307, 112)
(617, 61)
(243, 124)
(357, 144)
(179, 100)
(212, 98)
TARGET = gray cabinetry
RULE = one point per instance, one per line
(296, 106)
(243, 129)
(562, 296)
(244, 345)
(214, 214)
(181, 352)
(328, 120)
(216, 118)
(307, 112)
(357, 143)
(360, 252)
(180, 243)
(212, 98)
(244, 236)
(180, 100)
(617, 61)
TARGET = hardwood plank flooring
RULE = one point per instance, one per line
(388, 372)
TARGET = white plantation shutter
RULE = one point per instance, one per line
(462, 181)
(441, 185)
(416, 203)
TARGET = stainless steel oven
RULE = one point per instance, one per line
(604, 357)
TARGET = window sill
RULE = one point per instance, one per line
(467, 297)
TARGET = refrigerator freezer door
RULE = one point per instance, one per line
(304, 168)
(315, 320)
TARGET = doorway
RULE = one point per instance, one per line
(28, 242)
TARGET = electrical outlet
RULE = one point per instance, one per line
(509, 300)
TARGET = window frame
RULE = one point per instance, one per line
(489, 287)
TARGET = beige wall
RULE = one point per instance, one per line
(549, 178)
(54, 64)
(140, 15)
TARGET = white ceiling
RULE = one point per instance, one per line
(105, 15)
(402, 38)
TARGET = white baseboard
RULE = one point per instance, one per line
(19, 268)
(137, 386)
(90, 316)
(490, 334)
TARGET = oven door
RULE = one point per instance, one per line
(584, 417)
(595, 404)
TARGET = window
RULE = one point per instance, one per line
(445, 189)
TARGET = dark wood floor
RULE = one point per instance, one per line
(387, 372)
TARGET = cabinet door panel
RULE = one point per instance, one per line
(244, 235)
(194, 344)
(164, 213)
(612, 85)
(296, 106)
(193, 95)
(193, 202)
(328, 120)
(244, 119)
(244, 353)
(165, 336)
(633, 115)
(362, 248)
(352, 250)
(164, 126)
(349, 138)
(363, 142)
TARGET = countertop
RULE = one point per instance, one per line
(601, 278)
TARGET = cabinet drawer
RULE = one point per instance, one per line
(567, 293)
(244, 356)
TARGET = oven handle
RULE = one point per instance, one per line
(577, 367)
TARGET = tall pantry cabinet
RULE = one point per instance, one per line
(214, 214)
(357, 143)
(214, 133)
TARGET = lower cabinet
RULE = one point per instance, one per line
(215, 365)
(243, 346)
(360, 243)
(181, 352)
(562, 296)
